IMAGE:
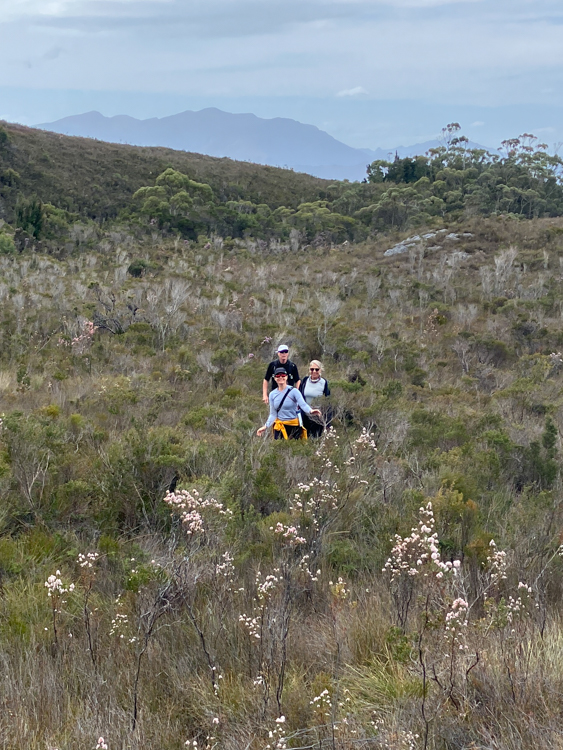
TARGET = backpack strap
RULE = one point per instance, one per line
(286, 394)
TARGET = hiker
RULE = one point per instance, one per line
(312, 387)
(285, 403)
(284, 362)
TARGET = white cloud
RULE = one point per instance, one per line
(352, 92)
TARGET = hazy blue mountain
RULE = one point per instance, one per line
(278, 142)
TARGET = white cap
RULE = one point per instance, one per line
(283, 348)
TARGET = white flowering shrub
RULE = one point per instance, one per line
(197, 514)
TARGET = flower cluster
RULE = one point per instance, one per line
(418, 554)
(497, 563)
(251, 624)
(516, 606)
(276, 735)
(55, 586)
(303, 566)
(226, 569)
(338, 589)
(209, 743)
(118, 624)
(329, 441)
(101, 744)
(264, 589)
(88, 560)
(556, 360)
(456, 621)
(363, 449)
(322, 703)
(366, 440)
(288, 532)
(82, 342)
(408, 739)
(315, 500)
(190, 505)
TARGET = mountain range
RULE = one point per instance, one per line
(280, 141)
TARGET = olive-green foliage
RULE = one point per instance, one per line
(29, 216)
(7, 246)
(525, 181)
(97, 180)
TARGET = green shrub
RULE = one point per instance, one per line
(7, 246)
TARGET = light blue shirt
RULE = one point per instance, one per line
(314, 389)
(289, 409)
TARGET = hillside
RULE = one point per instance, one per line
(51, 186)
(268, 599)
(168, 578)
(98, 179)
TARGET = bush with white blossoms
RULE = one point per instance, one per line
(88, 560)
(55, 586)
(57, 591)
(289, 533)
(418, 554)
(315, 501)
(338, 589)
(195, 512)
(456, 623)
(496, 563)
(276, 735)
(415, 560)
(322, 705)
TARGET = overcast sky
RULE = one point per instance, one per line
(371, 72)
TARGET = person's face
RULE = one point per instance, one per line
(280, 379)
(282, 356)
(314, 372)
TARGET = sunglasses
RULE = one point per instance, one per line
(280, 376)
(314, 369)
(283, 351)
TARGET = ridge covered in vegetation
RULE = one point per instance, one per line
(169, 580)
(50, 183)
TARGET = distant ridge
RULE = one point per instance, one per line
(278, 142)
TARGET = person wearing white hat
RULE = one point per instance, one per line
(283, 360)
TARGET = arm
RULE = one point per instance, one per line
(304, 406)
(326, 391)
(301, 403)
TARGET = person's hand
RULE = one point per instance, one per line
(316, 412)
(261, 431)
(265, 399)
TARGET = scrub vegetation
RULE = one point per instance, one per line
(167, 578)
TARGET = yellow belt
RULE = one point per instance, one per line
(279, 426)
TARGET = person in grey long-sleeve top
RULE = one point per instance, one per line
(313, 387)
(285, 403)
